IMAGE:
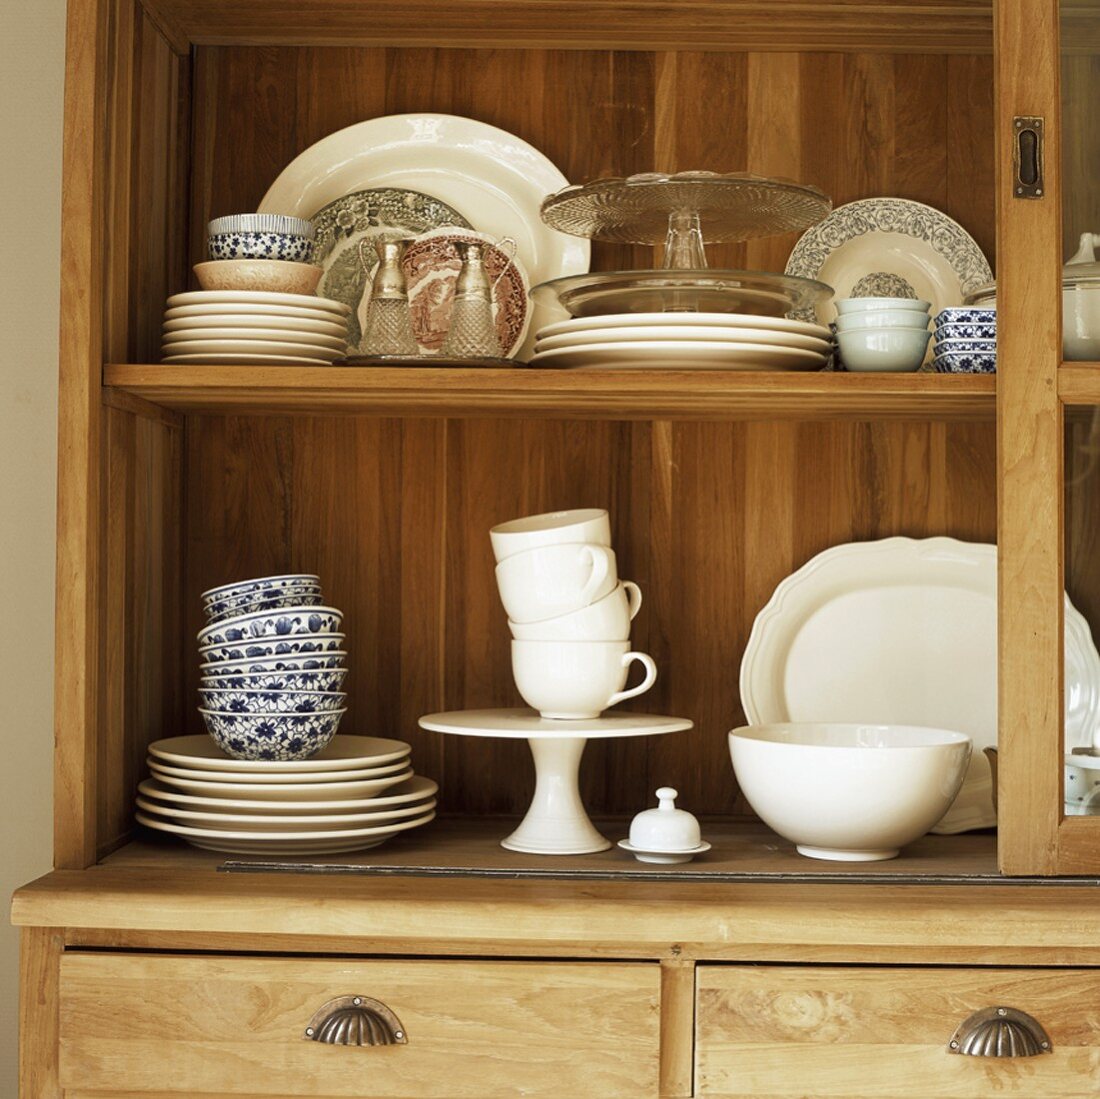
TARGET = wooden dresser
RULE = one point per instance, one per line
(149, 971)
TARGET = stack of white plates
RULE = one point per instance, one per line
(689, 341)
(356, 793)
(245, 326)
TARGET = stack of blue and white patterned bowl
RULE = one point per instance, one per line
(966, 341)
(272, 668)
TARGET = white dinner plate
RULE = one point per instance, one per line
(342, 753)
(252, 309)
(902, 631)
(261, 322)
(889, 247)
(491, 177)
(412, 790)
(246, 360)
(266, 823)
(294, 778)
(348, 839)
(650, 332)
(681, 355)
(685, 320)
(236, 298)
(252, 347)
(287, 791)
(299, 341)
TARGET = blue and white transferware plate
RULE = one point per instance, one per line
(966, 315)
(966, 347)
(281, 662)
(270, 702)
(280, 622)
(966, 332)
(972, 363)
(271, 646)
(889, 247)
(271, 736)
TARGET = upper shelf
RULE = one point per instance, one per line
(612, 394)
(903, 26)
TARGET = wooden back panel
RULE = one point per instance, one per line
(708, 518)
(393, 514)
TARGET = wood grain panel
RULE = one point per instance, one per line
(911, 26)
(39, 960)
(476, 1029)
(1030, 457)
(882, 1033)
(708, 518)
(1080, 147)
(142, 654)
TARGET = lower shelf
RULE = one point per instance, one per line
(465, 848)
(612, 394)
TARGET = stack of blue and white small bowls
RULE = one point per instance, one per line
(272, 668)
(966, 341)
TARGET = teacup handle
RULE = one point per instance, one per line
(600, 564)
(633, 598)
(650, 677)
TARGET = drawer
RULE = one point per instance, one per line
(203, 1025)
(854, 1032)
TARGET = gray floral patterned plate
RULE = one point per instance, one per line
(889, 247)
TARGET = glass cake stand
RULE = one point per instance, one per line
(685, 210)
(556, 822)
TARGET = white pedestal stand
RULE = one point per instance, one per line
(556, 822)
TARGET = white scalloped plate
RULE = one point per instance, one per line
(163, 771)
(267, 298)
(902, 631)
(246, 323)
(266, 823)
(301, 791)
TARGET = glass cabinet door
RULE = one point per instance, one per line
(1048, 397)
(1079, 293)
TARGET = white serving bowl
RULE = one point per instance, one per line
(882, 318)
(854, 793)
(859, 305)
(883, 350)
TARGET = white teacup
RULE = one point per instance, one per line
(554, 580)
(550, 529)
(608, 619)
(577, 679)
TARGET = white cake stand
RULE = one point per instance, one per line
(556, 822)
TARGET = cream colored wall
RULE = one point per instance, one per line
(31, 74)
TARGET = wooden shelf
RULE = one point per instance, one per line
(1079, 383)
(614, 394)
(904, 26)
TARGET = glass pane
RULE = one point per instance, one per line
(1081, 181)
(1082, 622)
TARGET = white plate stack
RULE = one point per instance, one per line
(355, 794)
(689, 341)
(246, 326)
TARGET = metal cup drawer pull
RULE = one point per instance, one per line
(1000, 1032)
(355, 1021)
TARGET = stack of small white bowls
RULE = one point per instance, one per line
(569, 613)
(272, 668)
(882, 335)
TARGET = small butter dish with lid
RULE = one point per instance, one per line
(665, 834)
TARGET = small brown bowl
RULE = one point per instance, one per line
(269, 276)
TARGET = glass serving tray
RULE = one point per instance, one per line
(702, 290)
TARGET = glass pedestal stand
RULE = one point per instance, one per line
(556, 822)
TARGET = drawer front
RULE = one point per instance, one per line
(237, 1026)
(852, 1033)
